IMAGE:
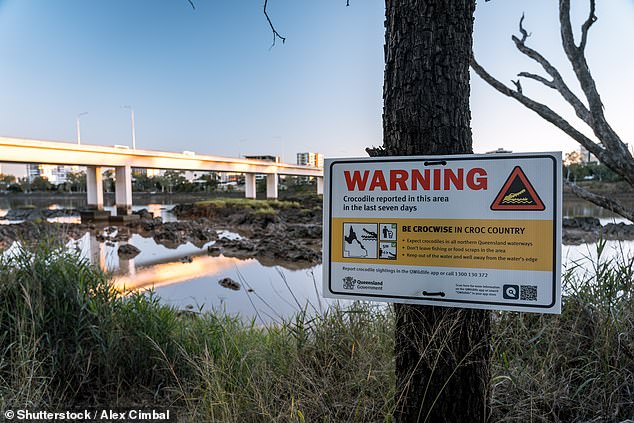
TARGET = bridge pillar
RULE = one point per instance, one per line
(250, 186)
(94, 187)
(271, 185)
(123, 190)
(320, 185)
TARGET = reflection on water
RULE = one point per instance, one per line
(267, 294)
(187, 278)
(158, 210)
(104, 253)
(585, 209)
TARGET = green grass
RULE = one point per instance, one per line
(248, 203)
(68, 339)
(578, 366)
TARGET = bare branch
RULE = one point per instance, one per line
(543, 111)
(525, 34)
(576, 56)
(592, 18)
(275, 33)
(347, 3)
(577, 59)
(538, 78)
(191, 2)
(609, 149)
(601, 201)
(557, 82)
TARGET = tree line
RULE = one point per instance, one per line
(168, 182)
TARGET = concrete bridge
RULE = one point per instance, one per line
(123, 159)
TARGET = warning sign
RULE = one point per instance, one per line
(517, 194)
(478, 231)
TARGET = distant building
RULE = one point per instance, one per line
(586, 156)
(150, 173)
(499, 151)
(310, 159)
(56, 174)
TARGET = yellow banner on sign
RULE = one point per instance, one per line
(464, 243)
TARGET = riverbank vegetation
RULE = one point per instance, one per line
(67, 338)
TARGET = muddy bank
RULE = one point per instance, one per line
(582, 230)
(170, 234)
(274, 232)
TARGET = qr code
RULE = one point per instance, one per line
(528, 292)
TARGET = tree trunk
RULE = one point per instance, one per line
(442, 354)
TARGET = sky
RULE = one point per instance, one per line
(207, 79)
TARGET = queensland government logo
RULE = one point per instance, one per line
(349, 282)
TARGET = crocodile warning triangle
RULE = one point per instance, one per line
(517, 193)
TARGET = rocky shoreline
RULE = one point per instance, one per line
(583, 230)
(284, 232)
(274, 232)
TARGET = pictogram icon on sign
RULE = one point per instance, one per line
(517, 193)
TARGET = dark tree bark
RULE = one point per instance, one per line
(442, 354)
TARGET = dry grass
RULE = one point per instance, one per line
(66, 338)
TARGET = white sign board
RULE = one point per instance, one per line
(475, 231)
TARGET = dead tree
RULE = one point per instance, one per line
(608, 147)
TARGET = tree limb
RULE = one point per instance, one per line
(586, 26)
(576, 56)
(557, 82)
(275, 33)
(610, 149)
(542, 110)
(601, 201)
(538, 78)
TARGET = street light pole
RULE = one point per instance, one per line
(79, 127)
(133, 131)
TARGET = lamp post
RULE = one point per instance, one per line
(79, 127)
(281, 144)
(133, 131)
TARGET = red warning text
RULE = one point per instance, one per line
(417, 180)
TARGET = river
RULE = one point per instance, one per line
(187, 278)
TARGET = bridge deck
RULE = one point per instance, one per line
(20, 150)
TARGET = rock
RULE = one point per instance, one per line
(581, 230)
(229, 284)
(619, 231)
(24, 214)
(127, 251)
(583, 223)
(214, 250)
(144, 214)
(31, 214)
(122, 235)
